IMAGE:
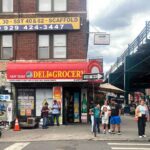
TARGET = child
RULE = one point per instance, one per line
(105, 113)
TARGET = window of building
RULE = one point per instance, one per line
(52, 5)
(59, 46)
(45, 5)
(52, 46)
(7, 5)
(43, 50)
(60, 5)
(6, 47)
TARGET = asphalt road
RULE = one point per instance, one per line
(75, 145)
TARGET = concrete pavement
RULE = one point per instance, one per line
(75, 132)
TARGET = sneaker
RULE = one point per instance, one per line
(140, 136)
(112, 132)
(144, 136)
(109, 130)
(119, 133)
(104, 132)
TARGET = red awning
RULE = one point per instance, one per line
(46, 71)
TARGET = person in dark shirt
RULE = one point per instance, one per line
(44, 114)
(115, 119)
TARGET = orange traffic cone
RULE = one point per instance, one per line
(16, 127)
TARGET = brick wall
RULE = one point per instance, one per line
(25, 46)
(25, 6)
(30, 5)
(25, 43)
(77, 5)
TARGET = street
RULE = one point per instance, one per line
(75, 145)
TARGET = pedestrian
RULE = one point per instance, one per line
(44, 115)
(141, 115)
(105, 113)
(115, 119)
(92, 120)
(56, 112)
(96, 114)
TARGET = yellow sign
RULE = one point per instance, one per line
(57, 74)
(29, 24)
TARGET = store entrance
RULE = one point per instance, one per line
(71, 105)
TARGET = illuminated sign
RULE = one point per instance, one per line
(35, 24)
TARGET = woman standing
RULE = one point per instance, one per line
(141, 115)
(56, 112)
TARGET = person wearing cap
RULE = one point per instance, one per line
(44, 115)
(56, 112)
(141, 115)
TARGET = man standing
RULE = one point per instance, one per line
(115, 119)
(44, 115)
(96, 113)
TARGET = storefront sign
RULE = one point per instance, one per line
(50, 71)
(42, 72)
(34, 24)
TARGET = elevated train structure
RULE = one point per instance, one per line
(131, 71)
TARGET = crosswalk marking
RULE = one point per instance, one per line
(17, 146)
(129, 148)
(130, 144)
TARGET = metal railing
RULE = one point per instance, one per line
(132, 48)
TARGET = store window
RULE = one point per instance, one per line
(26, 102)
(43, 50)
(7, 5)
(52, 5)
(6, 46)
(52, 46)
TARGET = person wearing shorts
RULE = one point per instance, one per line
(115, 119)
(105, 113)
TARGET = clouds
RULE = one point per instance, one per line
(119, 15)
(122, 19)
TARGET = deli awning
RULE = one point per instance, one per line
(46, 71)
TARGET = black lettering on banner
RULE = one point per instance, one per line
(5, 21)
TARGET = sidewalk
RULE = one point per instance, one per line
(75, 132)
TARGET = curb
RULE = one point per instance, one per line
(88, 139)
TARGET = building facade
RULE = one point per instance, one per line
(44, 44)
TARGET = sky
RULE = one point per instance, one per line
(122, 19)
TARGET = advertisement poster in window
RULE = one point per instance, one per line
(76, 107)
(3, 109)
(25, 101)
(57, 95)
(43, 96)
(84, 105)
